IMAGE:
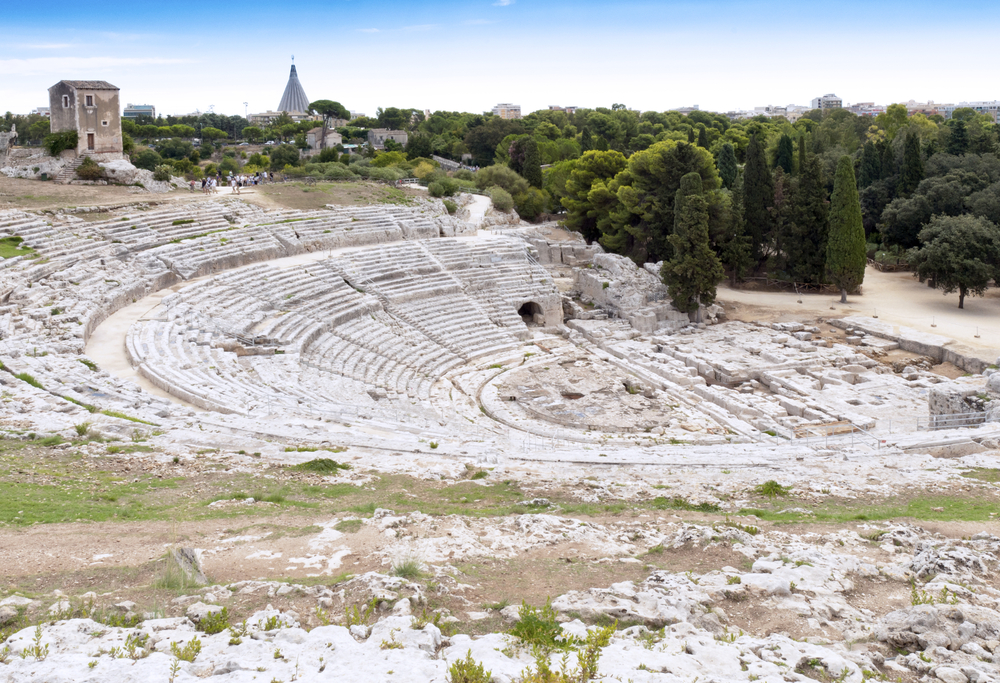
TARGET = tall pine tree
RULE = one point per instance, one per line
(913, 165)
(694, 271)
(958, 141)
(702, 136)
(726, 163)
(785, 156)
(802, 152)
(845, 254)
(871, 166)
(758, 197)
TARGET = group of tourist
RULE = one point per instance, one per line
(242, 180)
(210, 184)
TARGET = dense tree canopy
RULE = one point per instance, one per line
(960, 253)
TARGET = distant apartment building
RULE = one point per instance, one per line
(266, 118)
(42, 111)
(687, 110)
(133, 111)
(829, 101)
(508, 111)
(568, 110)
(991, 109)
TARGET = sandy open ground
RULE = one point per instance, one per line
(897, 298)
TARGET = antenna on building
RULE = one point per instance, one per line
(293, 59)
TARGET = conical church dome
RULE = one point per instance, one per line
(294, 98)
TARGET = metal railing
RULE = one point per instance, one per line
(952, 421)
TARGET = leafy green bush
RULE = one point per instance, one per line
(187, 653)
(539, 627)
(327, 155)
(215, 622)
(531, 203)
(59, 142)
(502, 201)
(229, 165)
(501, 176)
(338, 172)
(464, 174)
(162, 172)
(772, 489)
(451, 206)
(389, 173)
(89, 170)
(147, 159)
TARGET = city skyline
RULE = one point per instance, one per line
(442, 55)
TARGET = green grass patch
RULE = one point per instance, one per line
(130, 418)
(772, 489)
(183, 221)
(349, 526)
(25, 377)
(409, 570)
(922, 507)
(321, 466)
(990, 474)
(11, 247)
(89, 363)
(678, 503)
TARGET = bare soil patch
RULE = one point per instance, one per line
(299, 195)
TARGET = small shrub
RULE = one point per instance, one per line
(481, 474)
(772, 489)
(468, 670)
(187, 653)
(82, 428)
(451, 206)
(162, 172)
(502, 201)
(321, 466)
(433, 444)
(733, 580)
(213, 623)
(539, 627)
(89, 170)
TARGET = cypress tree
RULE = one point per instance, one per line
(694, 271)
(726, 163)
(734, 244)
(888, 161)
(758, 197)
(781, 211)
(913, 165)
(806, 246)
(845, 255)
(802, 152)
(532, 168)
(586, 140)
(691, 136)
(785, 155)
(702, 136)
(871, 166)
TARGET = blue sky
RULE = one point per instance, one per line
(468, 56)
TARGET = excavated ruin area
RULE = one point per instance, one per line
(370, 433)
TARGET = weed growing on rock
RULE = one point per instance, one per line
(408, 569)
(82, 428)
(468, 670)
(359, 615)
(36, 649)
(187, 653)
(678, 503)
(25, 377)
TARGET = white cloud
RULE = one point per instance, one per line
(67, 66)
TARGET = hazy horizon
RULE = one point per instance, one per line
(445, 55)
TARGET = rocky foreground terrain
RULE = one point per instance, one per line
(600, 574)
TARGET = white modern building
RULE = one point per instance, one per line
(828, 101)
